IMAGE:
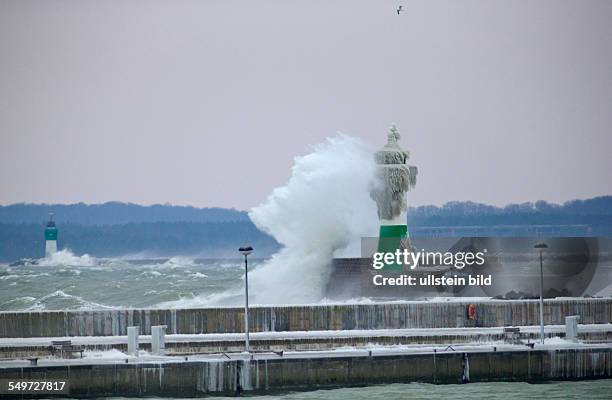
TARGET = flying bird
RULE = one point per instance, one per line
(399, 9)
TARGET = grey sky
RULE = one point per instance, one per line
(207, 102)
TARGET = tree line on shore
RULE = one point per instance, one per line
(118, 229)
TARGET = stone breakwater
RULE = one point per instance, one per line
(421, 314)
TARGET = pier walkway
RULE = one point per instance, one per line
(300, 340)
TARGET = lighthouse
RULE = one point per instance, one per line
(395, 179)
(50, 237)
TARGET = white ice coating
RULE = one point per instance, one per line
(399, 219)
(214, 383)
(394, 179)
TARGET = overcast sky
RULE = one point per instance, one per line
(207, 102)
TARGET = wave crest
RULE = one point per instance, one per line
(324, 207)
(67, 258)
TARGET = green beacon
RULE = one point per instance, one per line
(50, 237)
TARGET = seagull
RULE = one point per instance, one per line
(399, 9)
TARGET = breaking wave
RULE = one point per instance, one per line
(67, 258)
(323, 208)
(55, 301)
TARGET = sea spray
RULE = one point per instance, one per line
(67, 258)
(324, 209)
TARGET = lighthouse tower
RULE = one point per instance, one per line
(395, 178)
(50, 237)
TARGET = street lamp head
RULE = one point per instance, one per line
(540, 246)
(245, 250)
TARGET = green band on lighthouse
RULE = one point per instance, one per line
(390, 240)
(389, 231)
(51, 233)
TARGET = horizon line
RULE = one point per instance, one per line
(168, 204)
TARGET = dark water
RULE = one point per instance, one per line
(72, 282)
(598, 389)
(601, 389)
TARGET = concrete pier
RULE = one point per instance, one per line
(301, 341)
(308, 347)
(270, 373)
(416, 314)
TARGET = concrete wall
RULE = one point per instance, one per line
(301, 344)
(197, 378)
(295, 344)
(296, 318)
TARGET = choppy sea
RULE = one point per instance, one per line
(81, 282)
(71, 282)
(597, 389)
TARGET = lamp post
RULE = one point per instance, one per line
(245, 251)
(540, 247)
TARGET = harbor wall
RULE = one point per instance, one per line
(303, 317)
(199, 378)
(178, 348)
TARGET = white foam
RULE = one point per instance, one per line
(67, 258)
(178, 262)
(41, 303)
(324, 207)
(105, 354)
